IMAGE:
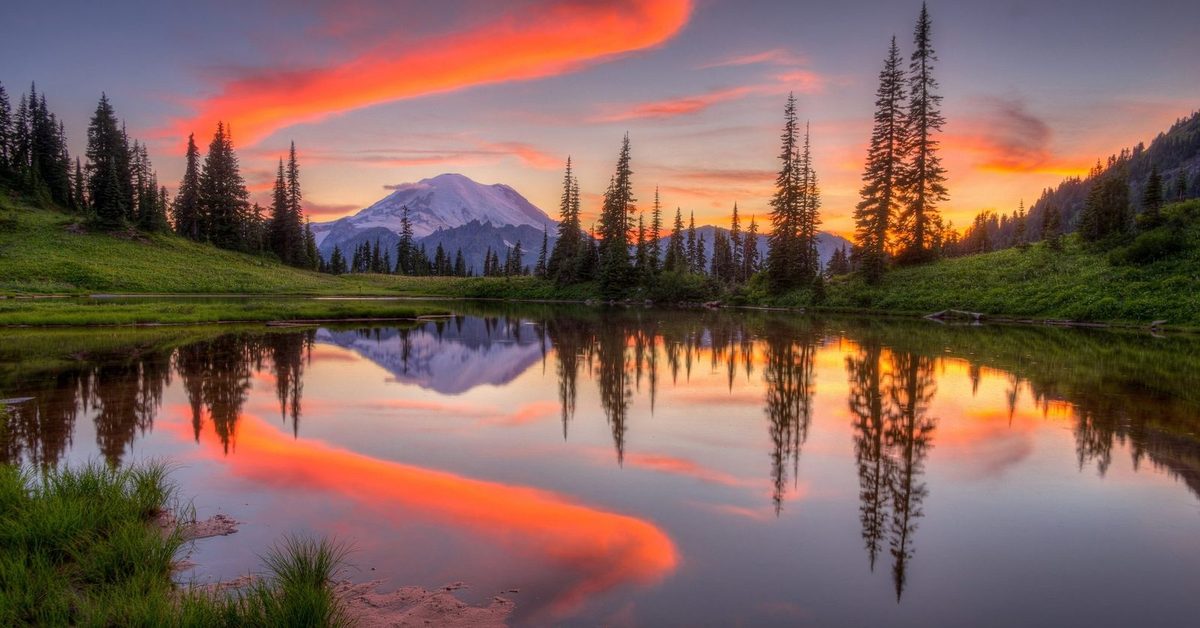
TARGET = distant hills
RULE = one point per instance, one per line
(461, 214)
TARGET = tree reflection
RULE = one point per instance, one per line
(889, 399)
(788, 376)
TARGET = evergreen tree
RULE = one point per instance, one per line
(783, 255)
(1106, 212)
(809, 216)
(460, 264)
(750, 249)
(79, 197)
(873, 216)
(1152, 200)
(693, 265)
(337, 263)
(514, 264)
(655, 246)
(614, 227)
(1019, 236)
(1052, 227)
(405, 248)
(566, 259)
(187, 211)
(641, 249)
(223, 197)
(6, 134)
(735, 247)
(301, 254)
(1181, 186)
(701, 256)
(539, 270)
(313, 256)
(923, 182)
(676, 261)
(104, 153)
(722, 260)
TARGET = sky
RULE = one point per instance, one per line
(377, 92)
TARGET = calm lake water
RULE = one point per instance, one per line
(643, 467)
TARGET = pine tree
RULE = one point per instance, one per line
(1152, 201)
(750, 249)
(676, 261)
(223, 197)
(565, 260)
(1106, 213)
(693, 260)
(6, 134)
(735, 247)
(187, 211)
(641, 249)
(923, 182)
(722, 267)
(655, 246)
(79, 197)
(300, 253)
(615, 216)
(104, 153)
(1052, 227)
(539, 270)
(460, 264)
(313, 256)
(515, 264)
(783, 255)
(1181, 186)
(1020, 239)
(874, 214)
(701, 256)
(337, 263)
(809, 215)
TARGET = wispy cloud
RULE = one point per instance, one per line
(549, 38)
(775, 56)
(1007, 137)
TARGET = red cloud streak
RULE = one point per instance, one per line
(559, 37)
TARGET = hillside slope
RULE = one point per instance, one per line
(1080, 283)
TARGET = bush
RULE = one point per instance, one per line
(1149, 247)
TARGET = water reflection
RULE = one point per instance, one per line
(612, 370)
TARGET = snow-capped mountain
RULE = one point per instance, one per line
(450, 356)
(442, 202)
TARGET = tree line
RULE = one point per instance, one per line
(117, 188)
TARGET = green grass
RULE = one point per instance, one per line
(78, 547)
(61, 312)
(1153, 277)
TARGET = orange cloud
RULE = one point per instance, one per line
(601, 550)
(682, 466)
(1008, 138)
(561, 36)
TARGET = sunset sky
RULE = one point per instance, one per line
(376, 93)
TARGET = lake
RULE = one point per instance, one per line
(656, 467)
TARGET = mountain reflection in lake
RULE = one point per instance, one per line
(649, 467)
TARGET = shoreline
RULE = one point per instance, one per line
(109, 322)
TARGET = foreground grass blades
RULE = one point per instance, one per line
(79, 547)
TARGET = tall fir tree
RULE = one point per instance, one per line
(405, 247)
(224, 201)
(809, 215)
(189, 220)
(784, 254)
(750, 259)
(875, 213)
(539, 269)
(301, 252)
(615, 216)
(566, 258)
(735, 246)
(6, 134)
(691, 247)
(104, 152)
(676, 260)
(655, 246)
(923, 182)
(1152, 200)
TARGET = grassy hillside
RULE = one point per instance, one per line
(45, 251)
(1155, 277)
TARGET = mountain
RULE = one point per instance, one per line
(443, 202)
(827, 243)
(475, 238)
(449, 356)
